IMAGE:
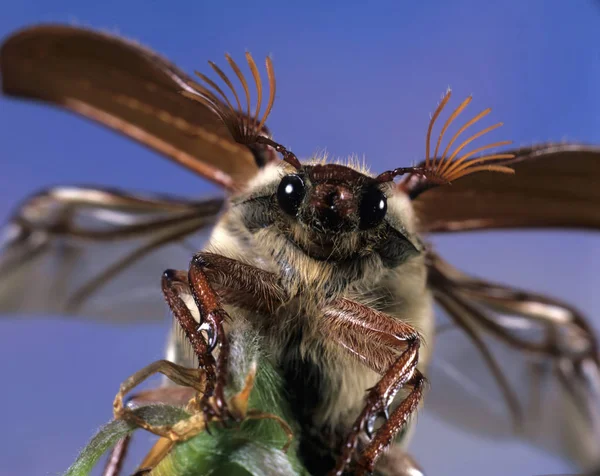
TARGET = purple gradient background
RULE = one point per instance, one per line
(351, 79)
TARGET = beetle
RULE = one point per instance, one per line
(141, 95)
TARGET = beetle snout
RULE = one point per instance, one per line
(333, 205)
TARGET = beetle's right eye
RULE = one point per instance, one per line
(290, 193)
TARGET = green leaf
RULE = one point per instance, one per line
(254, 448)
(110, 434)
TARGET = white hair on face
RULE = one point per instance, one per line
(400, 206)
(266, 180)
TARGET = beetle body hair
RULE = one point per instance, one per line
(327, 384)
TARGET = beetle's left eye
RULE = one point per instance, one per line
(373, 206)
(290, 194)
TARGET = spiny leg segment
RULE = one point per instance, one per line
(389, 346)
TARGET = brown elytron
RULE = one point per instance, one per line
(139, 94)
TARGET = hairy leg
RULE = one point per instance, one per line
(237, 283)
(207, 273)
(391, 341)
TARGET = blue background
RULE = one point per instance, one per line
(352, 79)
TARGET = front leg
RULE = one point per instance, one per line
(212, 317)
(387, 340)
(237, 283)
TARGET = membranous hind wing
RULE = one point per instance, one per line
(542, 354)
(98, 252)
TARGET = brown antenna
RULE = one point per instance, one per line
(451, 167)
(244, 126)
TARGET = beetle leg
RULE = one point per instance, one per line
(399, 344)
(193, 378)
(212, 318)
(237, 283)
(117, 456)
(208, 270)
(178, 396)
(186, 428)
(386, 433)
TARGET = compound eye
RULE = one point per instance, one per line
(290, 193)
(373, 206)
